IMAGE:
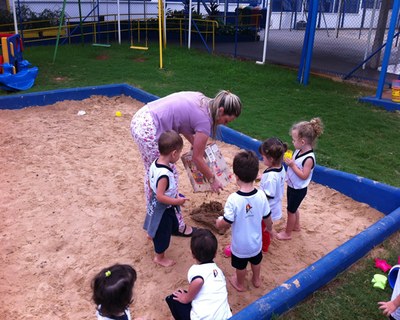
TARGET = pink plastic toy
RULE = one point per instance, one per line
(382, 264)
(227, 251)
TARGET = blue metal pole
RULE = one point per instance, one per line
(386, 57)
(300, 74)
(303, 53)
(76, 28)
(98, 27)
(236, 29)
(201, 37)
(312, 20)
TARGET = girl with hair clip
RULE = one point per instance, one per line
(299, 172)
(191, 114)
(273, 181)
(113, 292)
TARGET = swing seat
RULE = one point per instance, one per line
(101, 45)
(139, 48)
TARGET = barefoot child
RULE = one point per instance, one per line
(300, 169)
(206, 297)
(113, 292)
(161, 221)
(244, 211)
(273, 180)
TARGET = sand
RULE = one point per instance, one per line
(72, 203)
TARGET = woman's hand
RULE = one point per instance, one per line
(216, 185)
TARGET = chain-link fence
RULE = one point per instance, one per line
(348, 31)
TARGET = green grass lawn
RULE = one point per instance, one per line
(351, 295)
(358, 138)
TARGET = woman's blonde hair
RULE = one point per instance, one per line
(309, 130)
(229, 102)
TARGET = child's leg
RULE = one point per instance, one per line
(255, 263)
(294, 199)
(297, 223)
(290, 224)
(237, 280)
(180, 311)
(162, 238)
(256, 279)
(162, 260)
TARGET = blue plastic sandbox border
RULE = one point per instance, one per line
(382, 197)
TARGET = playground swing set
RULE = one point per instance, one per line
(16, 73)
(131, 22)
(98, 31)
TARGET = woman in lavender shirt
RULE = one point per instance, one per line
(191, 114)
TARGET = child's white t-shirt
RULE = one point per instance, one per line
(273, 184)
(126, 316)
(211, 302)
(292, 179)
(158, 171)
(245, 211)
(396, 292)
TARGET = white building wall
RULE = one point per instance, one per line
(284, 20)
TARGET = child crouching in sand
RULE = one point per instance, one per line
(207, 296)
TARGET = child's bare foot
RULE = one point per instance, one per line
(164, 262)
(283, 236)
(256, 282)
(297, 228)
(235, 284)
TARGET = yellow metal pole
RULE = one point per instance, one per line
(6, 58)
(160, 31)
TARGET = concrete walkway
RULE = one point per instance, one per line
(331, 55)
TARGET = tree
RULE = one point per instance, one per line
(3, 5)
(380, 33)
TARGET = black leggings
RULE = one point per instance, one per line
(180, 311)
